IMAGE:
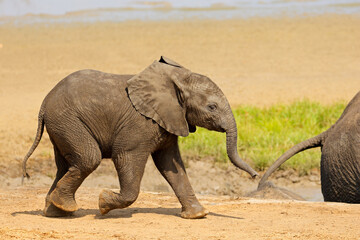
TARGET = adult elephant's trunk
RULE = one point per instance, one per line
(231, 148)
(307, 144)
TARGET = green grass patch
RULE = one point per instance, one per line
(264, 134)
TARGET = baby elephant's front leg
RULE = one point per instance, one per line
(130, 170)
(169, 163)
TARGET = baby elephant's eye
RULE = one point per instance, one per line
(212, 107)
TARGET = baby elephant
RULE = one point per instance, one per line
(340, 157)
(91, 115)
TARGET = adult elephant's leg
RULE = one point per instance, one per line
(168, 161)
(82, 153)
(130, 168)
(62, 167)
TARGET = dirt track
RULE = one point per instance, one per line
(254, 61)
(155, 216)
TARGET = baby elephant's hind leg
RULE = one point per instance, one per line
(82, 163)
(50, 209)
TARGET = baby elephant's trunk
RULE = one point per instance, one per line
(231, 145)
(231, 148)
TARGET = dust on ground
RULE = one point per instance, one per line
(156, 216)
(257, 61)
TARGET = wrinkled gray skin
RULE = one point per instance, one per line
(91, 115)
(340, 156)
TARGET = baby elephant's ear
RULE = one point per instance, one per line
(155, 94)
(169, 61)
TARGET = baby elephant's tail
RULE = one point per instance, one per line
(39, 133)
(310, 143)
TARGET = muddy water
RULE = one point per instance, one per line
(310, 193)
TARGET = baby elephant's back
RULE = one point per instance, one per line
(86, 102)
(83, 85)
(93, 97)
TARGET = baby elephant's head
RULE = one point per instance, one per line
(179, 100)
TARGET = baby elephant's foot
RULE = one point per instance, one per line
(109, 200)
(194, 212)
(106, 201)
(63, 202)
(51, 211)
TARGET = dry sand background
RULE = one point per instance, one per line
(257, 61)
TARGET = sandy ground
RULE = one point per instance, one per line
(258, 61)
(155, 216)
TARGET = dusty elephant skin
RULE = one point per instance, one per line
(91, 115)
(340, 157)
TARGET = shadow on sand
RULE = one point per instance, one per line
(121, 213)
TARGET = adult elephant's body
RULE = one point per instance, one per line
(340, 157)
(91, 115)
